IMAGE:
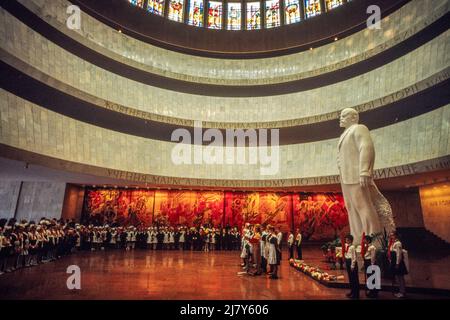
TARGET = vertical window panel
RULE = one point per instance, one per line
(312, 8)
(234, 13)
(196, 13)
(215, 15)
(253, 15)
(176, 8)
(137, 3)
(156, 6)
(331, 4)
(272, 13)
(291, 11)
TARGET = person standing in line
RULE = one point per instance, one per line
(397, 264)
(352, 267)
(16, 242)
(256, 246)
(78, 237)
(245, 246)
(166, 238)
(188, 244)
(195, 241)
(123, 238)
(7, 248)
(113, 238)
(263, 249)
(369, 255)
(25, 254)
(298, 244)
(40, 244)
(279, 236)
(171, 239)
(149, 238)
(129, 238)
(33, 245)
(177, 237)
(206, 236)
(154, 238)
(273, 253)
(133, 238)
(213, 240)
(182, 238)
(290, 242)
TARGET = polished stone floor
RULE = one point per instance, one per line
(165, 275)
(426, 270)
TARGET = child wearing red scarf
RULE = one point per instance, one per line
(397, 263)
(352, 267)
(368, 252)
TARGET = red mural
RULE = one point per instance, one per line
(126, 207)
(276, 209)
(319, 216)
(188, 207)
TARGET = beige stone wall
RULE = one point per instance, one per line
(33, 128)
(416, 88)
(9, 190)
(40, 199)
(27, 45)
(435, 200)
(34, 200)
(406, 21)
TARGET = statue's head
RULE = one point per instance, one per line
(348, 117)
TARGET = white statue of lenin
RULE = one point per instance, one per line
(368, 211)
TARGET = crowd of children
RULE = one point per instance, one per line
(25, 244)
(261, 247)
(203, 238)
(396, 257)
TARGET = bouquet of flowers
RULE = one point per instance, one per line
(312, 271)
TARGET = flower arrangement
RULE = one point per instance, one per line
(314, 272)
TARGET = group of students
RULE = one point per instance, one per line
(262, 246)
(203, 238)
(24, 244)
(396, 262)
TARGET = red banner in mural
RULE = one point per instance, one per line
(319, 216)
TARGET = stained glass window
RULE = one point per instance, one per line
(196, 13)
(156, 6)
(176, 8)
(253, 19)
(331, 4)
(215, 15)
(272, 13)
(137, 3)
(253, 15)
(234, 16)
(312, 8)
(291, 11)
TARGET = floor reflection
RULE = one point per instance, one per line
(143, 274)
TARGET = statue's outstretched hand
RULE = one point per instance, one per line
(365, 181)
